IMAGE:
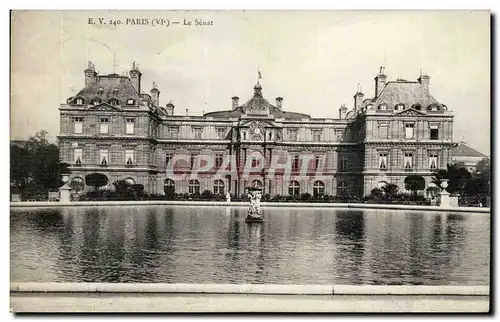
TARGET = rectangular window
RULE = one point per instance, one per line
(255, 163)
(78, 129)
(221, 133)
(192, 159)
(197, 133)
(79, 101)
(408, 160)
(296, 162)
(129, 125)
(218, 160)
(173, 132)
(338, 135)
(317, 161)
(342, 188)
(383, 131)
(382, 160)
(103, 157)
(129, 157)
(409, 130)
(104, 128)
(292, 135)
(77, 156)
(433, 161)
(434, 133)
(168, 158)
(344, 163)
(316, 135)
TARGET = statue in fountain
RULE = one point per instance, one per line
(254, 212)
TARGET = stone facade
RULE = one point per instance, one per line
(114, 128)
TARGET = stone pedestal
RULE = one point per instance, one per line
(64, 195)
(444, 199)
(254, 212)
(444, 196)
(65, 190)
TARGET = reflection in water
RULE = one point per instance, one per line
(350, 238)
(210, 245)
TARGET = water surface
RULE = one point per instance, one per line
(214, 245)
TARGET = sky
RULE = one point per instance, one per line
(313, 59)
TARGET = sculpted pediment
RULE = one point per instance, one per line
(104, 107)
(409, 112)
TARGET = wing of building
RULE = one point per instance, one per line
(112, 127)
(463, 153)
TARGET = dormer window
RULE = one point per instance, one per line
(79, 101)
(434, 107)
(130, 101)
(399, 106)
(417, 106)
(113, 101)
(96, 101)
(101, 90)
(369, 106)
(382, 107)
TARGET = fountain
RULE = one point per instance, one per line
(254, 213)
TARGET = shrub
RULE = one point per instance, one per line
(96, 180)
(207, 194)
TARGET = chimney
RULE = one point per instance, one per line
(342, 112)
(358, 98)
(279, 102)
(155, 95)
(235, 101)
(135, 77)
(90, 73)
(170, 108)
(424, 81)
(380, 81)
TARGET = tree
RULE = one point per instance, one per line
(35, 168)
(479, 184)
(20, 168)
(414, 183)
(96, 180)
(390, 190)
(122, 187)
(76, 186)
(457, 176)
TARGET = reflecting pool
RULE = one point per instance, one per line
(182, 244)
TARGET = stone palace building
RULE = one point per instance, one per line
(112, 126)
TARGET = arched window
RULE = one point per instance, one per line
(294, 188)
(169, 186)
(342, 188)
(194, 186)
(318, 188)
(130, 181)
(219, 187)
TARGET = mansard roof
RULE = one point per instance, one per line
(112, 86)
(405, 92)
